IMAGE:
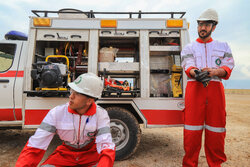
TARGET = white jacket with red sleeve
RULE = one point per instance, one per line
(75, 130)
(213, 54)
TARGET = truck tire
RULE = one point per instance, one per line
(125, 130)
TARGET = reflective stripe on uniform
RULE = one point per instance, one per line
(47, 127)
(215, 129)
(186, 56)
(78, 146)
(103, 130)
(47, 165)
(200, 127)
(193, 127)
(228, 55)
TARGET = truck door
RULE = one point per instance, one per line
(11, 79)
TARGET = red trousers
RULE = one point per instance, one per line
(204, 109)
(67, 156)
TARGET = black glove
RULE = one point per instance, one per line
(202, 76)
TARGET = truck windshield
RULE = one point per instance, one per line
(7, 52)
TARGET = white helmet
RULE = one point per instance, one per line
(88, 84)
(209, 15)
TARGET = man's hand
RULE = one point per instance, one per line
(219, 72)
(202, 76)
(211, 71)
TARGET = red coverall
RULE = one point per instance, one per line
(205, 106)
(86, 139)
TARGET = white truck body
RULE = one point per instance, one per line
(148, 49)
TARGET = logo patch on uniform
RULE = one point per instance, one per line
(78, 80)
(218, 62)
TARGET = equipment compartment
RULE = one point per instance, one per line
(57, 63)
(121, 76)
(165, 64)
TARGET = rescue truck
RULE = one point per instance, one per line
(137, 55)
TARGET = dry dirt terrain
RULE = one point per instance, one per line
(161, 147)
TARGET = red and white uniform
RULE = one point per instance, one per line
(205, 107)
(86, 139)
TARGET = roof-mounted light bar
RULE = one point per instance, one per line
(108, 23)
(174, 23)
(41, 22)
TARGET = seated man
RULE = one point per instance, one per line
(82, 125)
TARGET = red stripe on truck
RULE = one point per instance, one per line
(7, 114)
(34, 117)
(12, 74)
(163, 117)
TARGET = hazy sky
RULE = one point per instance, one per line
(233, 26)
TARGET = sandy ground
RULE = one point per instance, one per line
(161, 147)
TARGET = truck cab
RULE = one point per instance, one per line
(12, 64)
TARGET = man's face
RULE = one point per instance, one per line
(78, 101)
(205, 29)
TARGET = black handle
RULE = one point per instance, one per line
(129, 32)
(75, 36)
(4, 81)
(49, 35)
(174, 32)
(151, 32)
(109, 32)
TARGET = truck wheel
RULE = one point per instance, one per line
(125, 130)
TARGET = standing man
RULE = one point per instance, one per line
(206, 62)
(83, 126)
